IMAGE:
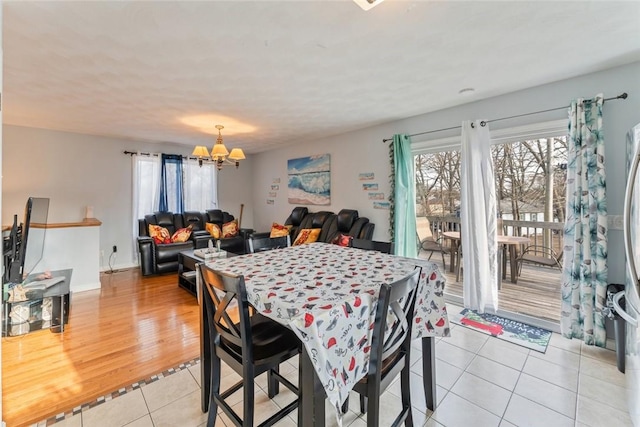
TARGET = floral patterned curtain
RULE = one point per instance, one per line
(584, 275)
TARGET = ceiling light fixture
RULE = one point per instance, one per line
(368, 4)
(219, 153)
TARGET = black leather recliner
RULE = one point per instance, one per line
(199, 234)
(316, 220)
(163, 258)
(295, 218)
(348, 223)
(234, 244)
(159, 257)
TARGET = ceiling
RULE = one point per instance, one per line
(274, 73)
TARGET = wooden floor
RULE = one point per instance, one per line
(536, 294)
(132, 328)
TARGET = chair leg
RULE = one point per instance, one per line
(363, 404)
(273, 385)
(405, 386)
(214, 391)
(444, 264)
(373, 412)
(249, 400)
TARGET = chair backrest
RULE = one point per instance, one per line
(424, 229)
(225, 297)
(372, 245)
(164, 219)
(217, 216)
(265, 243)
(194, 219)
(295, 219)
(398, 299)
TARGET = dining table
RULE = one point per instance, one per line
(327, 295)
(505, 243)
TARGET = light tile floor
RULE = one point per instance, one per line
(481, 381)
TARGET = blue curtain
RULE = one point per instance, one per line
(171, 195)
(404, 203)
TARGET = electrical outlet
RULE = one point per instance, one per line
(115, 248)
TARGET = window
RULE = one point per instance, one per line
(199, 187)
(529, 167)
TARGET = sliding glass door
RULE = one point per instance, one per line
(530, 185)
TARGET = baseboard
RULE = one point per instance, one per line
(86, 287)
(123, 266)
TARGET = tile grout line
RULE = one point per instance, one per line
(79, 409)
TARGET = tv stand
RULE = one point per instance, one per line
(36, 312)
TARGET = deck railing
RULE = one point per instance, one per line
(540, 233)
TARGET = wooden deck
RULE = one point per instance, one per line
(536, 294)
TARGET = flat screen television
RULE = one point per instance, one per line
(25, 245)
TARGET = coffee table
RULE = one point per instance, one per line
(187, 261)
(187, 271)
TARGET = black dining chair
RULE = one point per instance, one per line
(248, 342)
(372, 245)
(390, 350)
(262, 242)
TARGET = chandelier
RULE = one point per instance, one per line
(368, 4)
(219, 153)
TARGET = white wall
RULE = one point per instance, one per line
(363, 151)
(351, 154)
(76, 170)
(76, 248)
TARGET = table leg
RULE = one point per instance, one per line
(452, 256)
(429, 371)
(514, 263)
(312, 394)
(503, 261)
(205, 357)
(501, 265)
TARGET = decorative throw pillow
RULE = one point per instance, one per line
(342, 240)
(278, 230)
(159, 234)
(213, 229)
(230, 229)
(182, 234)
(307, 235)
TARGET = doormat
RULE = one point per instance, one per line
(513, 331)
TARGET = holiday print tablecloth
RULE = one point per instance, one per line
(327, 294)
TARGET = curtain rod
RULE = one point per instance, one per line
(157, 154)
(483, 123)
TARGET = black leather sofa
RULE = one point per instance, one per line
(347, 222)
(163, 258)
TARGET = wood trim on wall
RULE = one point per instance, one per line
(87, 222)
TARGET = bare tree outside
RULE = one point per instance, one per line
(530, 180)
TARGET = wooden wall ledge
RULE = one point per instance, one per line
(87, 222)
